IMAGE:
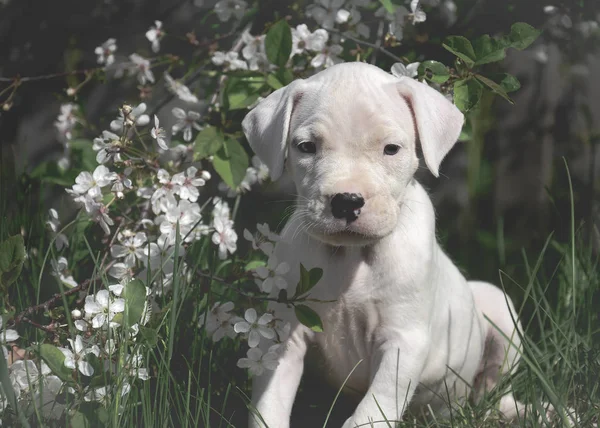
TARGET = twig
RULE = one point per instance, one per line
(379, 41)
(234, 288)
(20, 79)
(368, 44)
(47, 328)
(50, 303)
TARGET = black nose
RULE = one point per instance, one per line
(347, 205)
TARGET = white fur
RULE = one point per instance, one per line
(399, 308)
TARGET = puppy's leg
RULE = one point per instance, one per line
(396, 368)
(502, 344)
(274, 391)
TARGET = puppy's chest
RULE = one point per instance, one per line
(349, 325)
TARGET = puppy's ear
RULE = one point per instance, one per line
(438, 121)
(267, 126)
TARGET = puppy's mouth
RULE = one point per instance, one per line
(359, 226)
(344, 233)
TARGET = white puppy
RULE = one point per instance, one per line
(399, 309)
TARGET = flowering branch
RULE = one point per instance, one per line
(50, 303)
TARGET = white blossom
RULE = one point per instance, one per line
(131, 249)
(229, 61)
(154, 34)
(180, 90)
(410, 70)
(53, 223)
(256, 363)
(254, 44)
(225, 9)
(272, 275)
(327, 57)
(122, 182)
(185, 122)
(97, 211)
(92, 184)
(159, 134)
(263, 238)
(183, 213)
(255, 327)
(129, 117)
(417, 12)
(108, 147)
(97, 394)
(168, 189)
(103, 307)
(59, 267)
(74, 357)
(106, 52)
(327, 12)
(142, 67)
(65, 122)
(225, 237)
(303, 40)
(188, 183)
(218, 321)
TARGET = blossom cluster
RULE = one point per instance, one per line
(152, 200)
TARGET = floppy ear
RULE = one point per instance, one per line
(267, 127)
(438, 121)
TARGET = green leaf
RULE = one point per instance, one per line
(274, 82)
(89, 415)
(309, 318)
(12, 257)
(56, 361)
(467, 94)
(149, 335)
(254, 264)
(508, 82)
(79, 420)
(278, 43)
(466, 132)
(243, 91)
(208, 142)
(488, 50)
(231, 163)
(134, 294)
(389, 6)
(308, 279)
(461, 47)
(285, 76)
(434, 71)
(496, 88)
(522, 35)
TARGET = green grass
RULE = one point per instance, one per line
(195, 383)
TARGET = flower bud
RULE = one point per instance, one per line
(76, 314)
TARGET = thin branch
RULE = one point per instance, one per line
(50, 303)
(368, 44)
(50, 329)
(20, 79)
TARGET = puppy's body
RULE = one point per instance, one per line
(385, 293)
(397, 308)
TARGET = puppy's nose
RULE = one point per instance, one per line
(347, 205)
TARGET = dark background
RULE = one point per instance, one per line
(496, 203)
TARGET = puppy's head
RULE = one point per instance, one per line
(348, 135)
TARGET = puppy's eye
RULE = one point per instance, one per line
(391, 149)
(307, 147)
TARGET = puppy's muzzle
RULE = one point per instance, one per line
(347, 206)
